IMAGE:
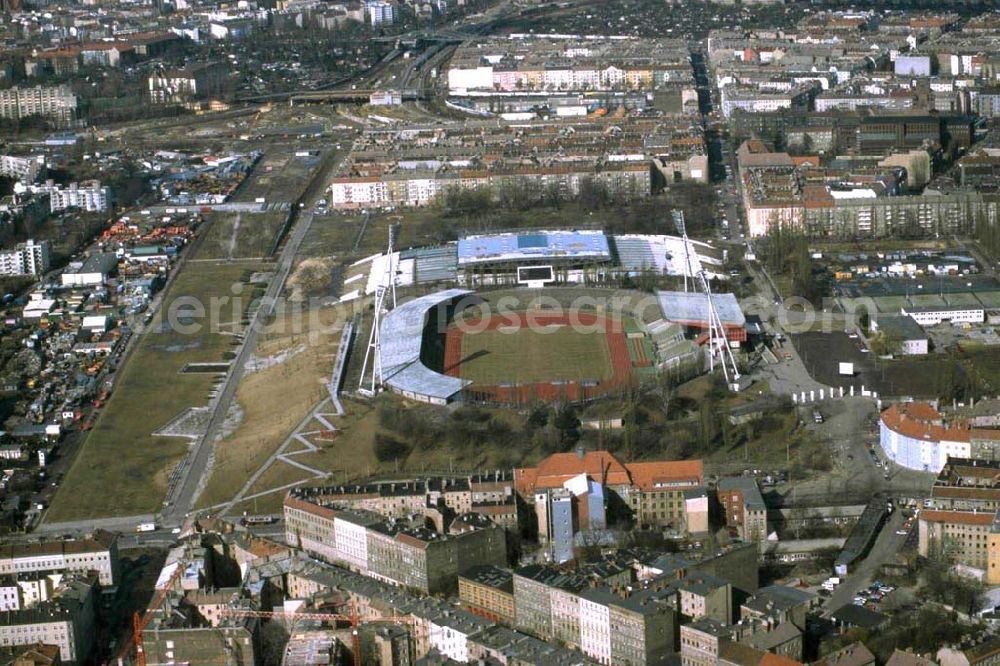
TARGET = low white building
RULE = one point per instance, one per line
(358, 192)
(957, 314)
(93, 271)
(903, 331)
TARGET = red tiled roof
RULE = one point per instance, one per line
(605, 468)
(960, 517)
(309, 507)
(921, 421)
(771, 659)
(965, 492)
(649, 475)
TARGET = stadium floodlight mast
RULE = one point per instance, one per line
(369, 384)
(678, 217)
(718, 341)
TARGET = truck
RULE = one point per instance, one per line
(831, 583)
(146, 527)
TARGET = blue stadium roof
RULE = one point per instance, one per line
(533, 245)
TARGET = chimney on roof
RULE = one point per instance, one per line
(580, 452)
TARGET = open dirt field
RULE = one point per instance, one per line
(122, 468)
(241, 235)
(273, 400)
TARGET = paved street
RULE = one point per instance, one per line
(887, 544)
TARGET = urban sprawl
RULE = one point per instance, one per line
(499, 332)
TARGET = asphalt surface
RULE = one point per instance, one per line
(887, 544)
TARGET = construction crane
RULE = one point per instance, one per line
(141, 620)
(322, 617)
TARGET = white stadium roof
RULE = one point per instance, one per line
(401, 336)
(680, 306)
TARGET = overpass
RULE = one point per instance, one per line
(228, 207)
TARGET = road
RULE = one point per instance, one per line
(162, 537)
(887, 544)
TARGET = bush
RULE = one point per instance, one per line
(388, 448)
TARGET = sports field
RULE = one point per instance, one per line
(526, 357)
(530, 355)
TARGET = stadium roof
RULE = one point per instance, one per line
(401, 336)
(545, 245)
(691, 307)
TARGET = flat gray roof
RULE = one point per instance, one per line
(902, 326)
(692, 306)
(401, 336)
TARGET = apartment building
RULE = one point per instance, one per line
(422, 187)
(743, 506)
(55, 102)
(704, 595)
(28, 258)
(534, 585)
(599, 610)
(966, 484)
(24, 169)
(25, 590)
(199, 81)
(488, 591)
(416, 166)
(972, 538)
(89, 195)
(778, 190)
(491, 495)
(778, 604)
(755, 99)
(628, 627)
(97, 552)
(978, 651)
(380, 12)
(702, 641)
(394, 551)
(656, 492)
(66, 620)
(830, 100)
(552, 63)
(232, 645)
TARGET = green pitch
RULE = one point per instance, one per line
(525, 356)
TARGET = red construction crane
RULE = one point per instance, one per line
(323, 617)
(141, 620)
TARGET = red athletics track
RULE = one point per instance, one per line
(621, 364)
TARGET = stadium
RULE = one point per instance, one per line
(536, 258)
(514, 347)
(514, 318)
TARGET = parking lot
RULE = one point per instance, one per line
(822, 354)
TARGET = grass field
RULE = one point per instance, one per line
(296, 383)
(240, 235)
(122, 469)
(530, 356)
